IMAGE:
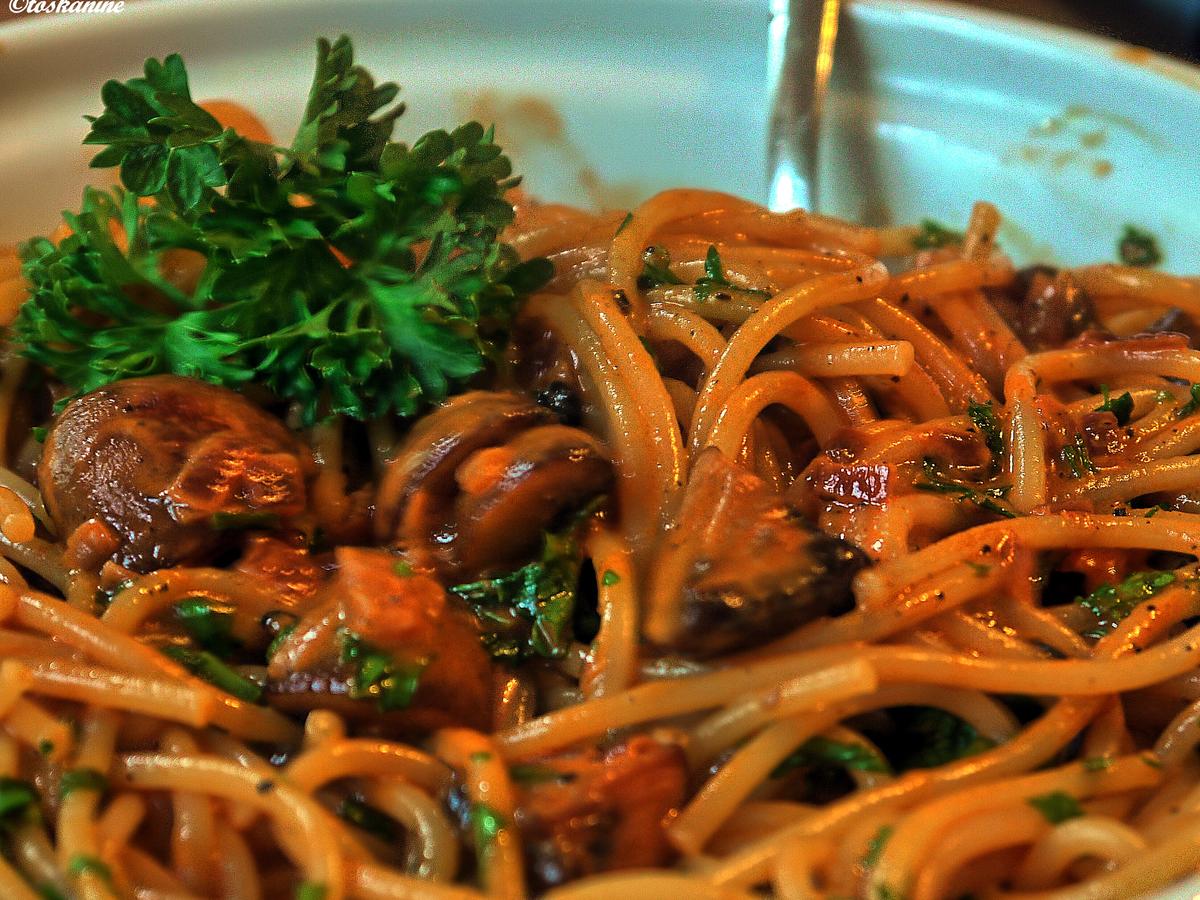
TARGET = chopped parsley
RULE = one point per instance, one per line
(624, 223)
(1192, 405)
(875, 846)
(1057, 807)
(82, 863)
(529, 611)
(358, 812)
(715, 283)
(1075, 457)
(18, 801)
(610, 578)
(536, 773)
(989, 498)
(934, 737)
(1137, 247)
(1112, 603)
(82, 780)
(486, 825)
(312, 890)
(1097, 763)
(215, 671)
(984, 418)
(656, 269)
(821, 751)
(933, 234)
(210, 624)
(1121, 407)
(377, 674)
(347, 273)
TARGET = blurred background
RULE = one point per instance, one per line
(1169, 26)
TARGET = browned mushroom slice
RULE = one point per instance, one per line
(744, 564)
(594, 812)
(420, 480)
(478, 481)
(157, 461)
(511, 493)
(1045, 307)
(406, 616)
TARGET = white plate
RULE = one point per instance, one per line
(934, 106)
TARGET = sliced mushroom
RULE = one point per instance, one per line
(744, 563)
(510, 494)
(405, 614)
(1045, 307)
(478, 481)
(159, 461)
(589, 813)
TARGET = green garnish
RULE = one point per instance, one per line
(624, 223)
(536, 773)
(45, 746)
(82, 780)
(40, 434)
(529, 612)
(1097, 763)
(1057, 807)
(1136, 247)
(361, 814)
(212, 669)
(1075, 457)
(209, 624)
(486, 825)
(984, 418)
(312, 890)
(377, 674)
(875, 846)
(48, 891)
(283, 634)
(715, 282)
(1192, 405)
(610, 578)
(820, 751)
(1121, 407)
(81, 863)
(656, 270)
(933, 234)
(1112, 603)
(887, 892)
(938, 738)
(18, 801)
(347, 273)
(988, 498)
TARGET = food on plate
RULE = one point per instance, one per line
(371, 529)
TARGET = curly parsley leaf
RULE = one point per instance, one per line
(348, 273)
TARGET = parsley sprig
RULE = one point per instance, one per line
(986, 497)
(348, 273)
